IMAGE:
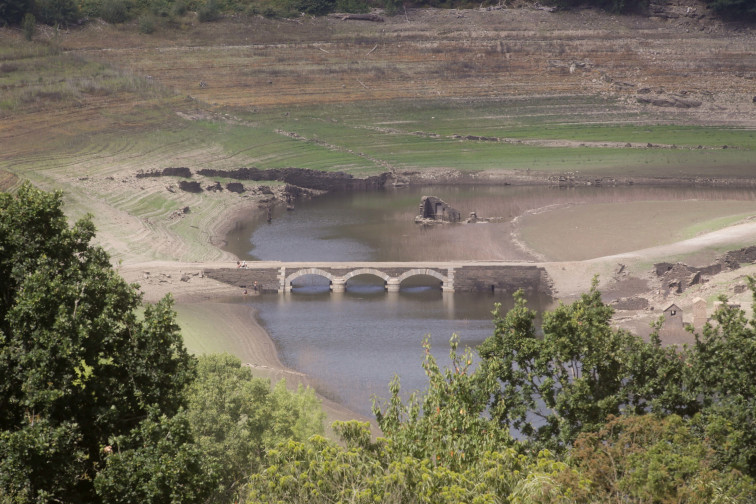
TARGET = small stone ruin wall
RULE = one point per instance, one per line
(531, 279)
(267, 279)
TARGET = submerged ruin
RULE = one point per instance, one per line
(434, 210)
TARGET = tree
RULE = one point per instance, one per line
(55, 12)
(158, 462)
(78, 367)
(734, 9)
(582, 370)
(235, 418)
(722, 364)
(651, 459)
(13, 11)
(439, 448)
(449, 426)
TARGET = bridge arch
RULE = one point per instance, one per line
(424, 272)
(307, 271)
(367, 271)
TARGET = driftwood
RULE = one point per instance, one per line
(361, 17)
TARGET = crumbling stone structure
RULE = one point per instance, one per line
(435, 209)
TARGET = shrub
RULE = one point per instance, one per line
(29, 25)
(180, 8)
(146, 24)
(734, 9)
(208, 12)
(391, 7)
(52, 12)
(115, 11)
(355, 6)
(12, 11)
(91, 8)
(313, 7)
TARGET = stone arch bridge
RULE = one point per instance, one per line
(274, 276)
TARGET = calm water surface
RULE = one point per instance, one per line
(352, 344)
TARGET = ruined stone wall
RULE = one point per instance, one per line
(267, 279)
(311, 179)
(532, 279)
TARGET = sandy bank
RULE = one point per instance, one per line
(213, 320)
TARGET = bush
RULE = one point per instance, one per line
(12, 11)
(355, 6)
(52, 12)
(180, 8)
(391, 7)
(29, 25)
(146, 24)
(115, 11)
(734, 9)
(208, 12)
(90, 8)
(313, 7)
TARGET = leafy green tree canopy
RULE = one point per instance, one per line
(78, 367)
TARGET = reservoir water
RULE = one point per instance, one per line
(352, 344)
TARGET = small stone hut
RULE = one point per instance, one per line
(673, 316)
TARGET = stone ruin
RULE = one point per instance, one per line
(434, 210)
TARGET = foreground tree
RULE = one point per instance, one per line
(439, 448)
(651, 459)
(722, 365)
(77, 367)
(582, 370)
(235, 418)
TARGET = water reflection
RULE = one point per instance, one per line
(352, 343)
